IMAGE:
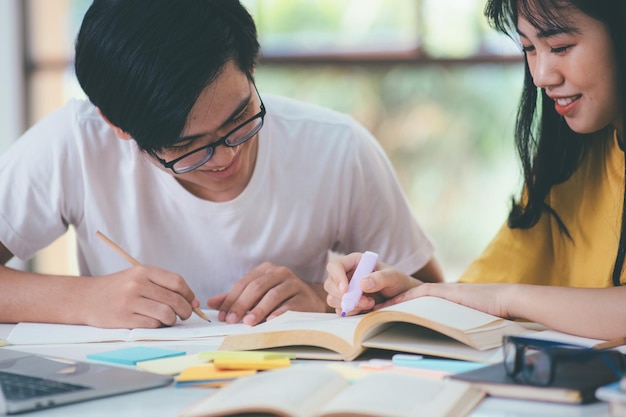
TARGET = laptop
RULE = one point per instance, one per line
(31, 381)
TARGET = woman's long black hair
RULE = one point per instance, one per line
(549, 150)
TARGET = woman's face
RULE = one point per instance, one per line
(576, 68)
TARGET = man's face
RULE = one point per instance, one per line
(222, 106)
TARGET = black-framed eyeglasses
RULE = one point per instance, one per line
(198, 157)
(537, 360)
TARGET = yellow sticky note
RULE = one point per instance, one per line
(350, 372)
(210, 372)
(258, 364)
(243, 354)
(170, 366)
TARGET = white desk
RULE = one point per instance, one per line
(169, 401)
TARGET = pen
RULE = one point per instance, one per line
(351, 297)
(134, 261)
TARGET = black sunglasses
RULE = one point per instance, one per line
(537, 360)
(198, 157)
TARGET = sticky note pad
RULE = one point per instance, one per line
(130, 356)
(244, 354)
(350, 372)
(211, 373)
(258, 364)
(170, 366)
(208, 376)
(449, 365)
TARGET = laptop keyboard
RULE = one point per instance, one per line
(21, 387)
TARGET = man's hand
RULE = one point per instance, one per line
(264, 293)
(141, 296)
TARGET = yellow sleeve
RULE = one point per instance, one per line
(517, 256)
(590, 205)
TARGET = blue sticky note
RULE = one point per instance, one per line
(130, 356)
(448, 365)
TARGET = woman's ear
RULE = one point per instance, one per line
(118, 132)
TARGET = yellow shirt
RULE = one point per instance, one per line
(590, 205)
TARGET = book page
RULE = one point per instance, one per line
(400, 395)
(342, 327)
(472, 327)
(292, 328)
(49, 333)
(403, 337)
(556, 336)
(192, 328)
(288, 392)
(446, 313)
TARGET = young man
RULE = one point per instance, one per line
(222, 195)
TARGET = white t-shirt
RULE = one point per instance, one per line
(321, 183)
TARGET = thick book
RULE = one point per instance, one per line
(315, 391)
(426, 325)
(574, 383)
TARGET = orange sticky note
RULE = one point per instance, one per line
(210, 373)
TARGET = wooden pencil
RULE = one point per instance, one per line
(134, 261)
(611, 343)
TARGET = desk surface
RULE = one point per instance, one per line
(170, 401)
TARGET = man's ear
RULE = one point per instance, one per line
(118, 132)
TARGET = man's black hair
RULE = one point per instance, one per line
(143, 63)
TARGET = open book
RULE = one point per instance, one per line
(425, 325)
(312, 391)
(190, 329)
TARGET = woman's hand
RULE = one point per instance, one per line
(380, 286)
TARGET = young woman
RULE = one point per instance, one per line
(559, 260)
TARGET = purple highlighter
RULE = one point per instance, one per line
(351, 297)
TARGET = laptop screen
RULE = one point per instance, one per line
(32, 381)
